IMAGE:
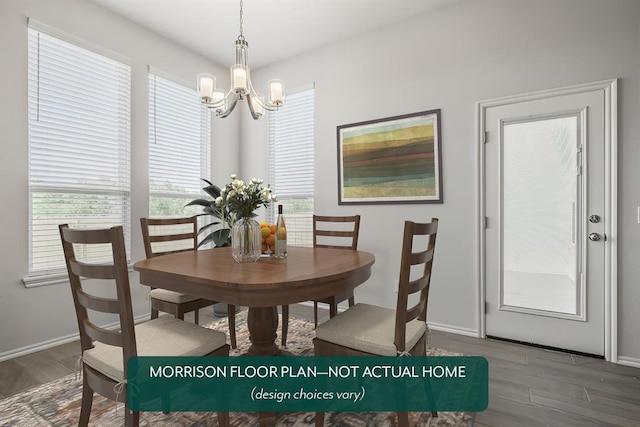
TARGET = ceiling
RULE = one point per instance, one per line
(274, 29)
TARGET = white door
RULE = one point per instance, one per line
(545, 202)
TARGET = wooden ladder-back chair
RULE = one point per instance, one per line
(371, 330)
(156, 233)
(105, 352)
(340, 232)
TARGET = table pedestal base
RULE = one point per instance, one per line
(263, 324)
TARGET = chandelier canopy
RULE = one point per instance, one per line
(241, 87)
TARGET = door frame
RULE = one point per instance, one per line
(610, 89)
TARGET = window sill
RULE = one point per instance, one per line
(51, 278)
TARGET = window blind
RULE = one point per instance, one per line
(291, 163)
(179, 147)
(79, 146)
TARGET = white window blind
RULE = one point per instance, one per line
(179, 148)
(291, 163)
(79, 146)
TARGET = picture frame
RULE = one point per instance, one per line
(391, 160)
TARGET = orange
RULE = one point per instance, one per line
(266, 231)
(273, 229)
(271, 240)
(264, 247)
(264, 224)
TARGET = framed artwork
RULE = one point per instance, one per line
(391, 160)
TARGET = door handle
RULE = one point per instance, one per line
(594, 237)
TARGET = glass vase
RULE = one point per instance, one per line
(246, 240)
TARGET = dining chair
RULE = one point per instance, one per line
(105, 352)
(369, 330)
(339, 232)
(173, 235)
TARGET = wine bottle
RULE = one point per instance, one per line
(281, 235)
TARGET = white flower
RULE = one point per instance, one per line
(240, 199)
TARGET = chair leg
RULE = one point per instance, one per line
(434, 414)
(319, 419)
(87, 401)
(285, 323)
(352, 302)
(315, 314)
(131, 419)
(154, 313)
(223, 419)
(403, 419)
(231, 315)
(333, 309)
(196, 316)
(165, 402)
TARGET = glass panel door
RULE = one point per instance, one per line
(540, 204)
(545, 203)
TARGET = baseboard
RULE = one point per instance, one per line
(23, 351)
(629, 361)
(454, 330)
(44, 345)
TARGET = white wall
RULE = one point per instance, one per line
(29, 317)
(450, 59)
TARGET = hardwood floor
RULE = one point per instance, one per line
(528, 386)
(23, 373)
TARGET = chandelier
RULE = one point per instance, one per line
(241, 87)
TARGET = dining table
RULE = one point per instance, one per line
(306, 274)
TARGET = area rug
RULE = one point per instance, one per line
(58, 403)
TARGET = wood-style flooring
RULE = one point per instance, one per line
(528, 386)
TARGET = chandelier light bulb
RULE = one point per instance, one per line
(276, 91)
(218, 95)
(206, 86)
(239, 78)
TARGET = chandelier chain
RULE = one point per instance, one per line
(241, 3)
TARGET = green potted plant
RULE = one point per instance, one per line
(221, 236)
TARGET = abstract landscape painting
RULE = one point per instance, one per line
(391, 160)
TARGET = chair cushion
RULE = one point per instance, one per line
(171, 296)
(369, 328)
(164, 336)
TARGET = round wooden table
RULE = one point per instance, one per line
(306, 274)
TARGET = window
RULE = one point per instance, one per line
(179, 148)
(79, 146)
(291, 163)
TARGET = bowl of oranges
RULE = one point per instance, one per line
(268, 232)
